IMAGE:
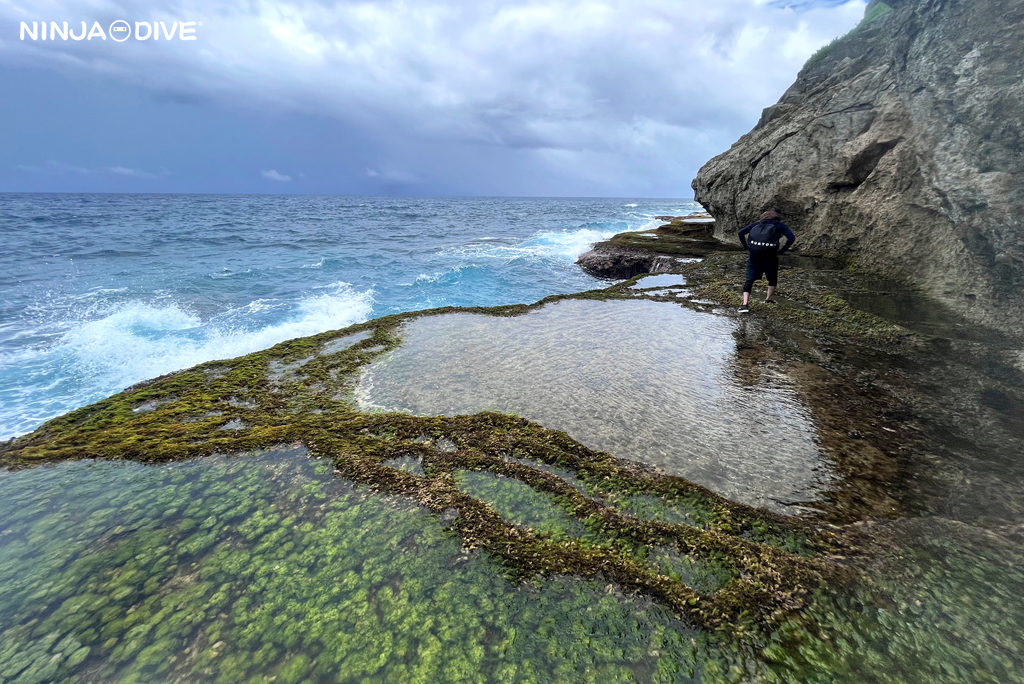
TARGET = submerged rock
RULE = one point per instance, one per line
(503, 474)
(900, 145)
(454, 547)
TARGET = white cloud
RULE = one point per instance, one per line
(60, 168)
(616, 78)
(57, 168)
(133, 173)
(274, 175)
(393, 175)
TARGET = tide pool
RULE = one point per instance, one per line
(100, 291)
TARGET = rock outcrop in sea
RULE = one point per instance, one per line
(659, 250)
(901, 147)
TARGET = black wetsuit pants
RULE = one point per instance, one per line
(762, 264)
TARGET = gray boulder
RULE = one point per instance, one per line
(901, 147)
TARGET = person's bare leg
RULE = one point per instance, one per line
(746, 298)
(771, 291)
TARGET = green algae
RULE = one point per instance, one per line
(236, 569)
(408, 552)
(360, 445)
(706, 575)
(678, 510)
(800, 301)
(519, 503)
(176, 597)
(944, 606)
(564, 474)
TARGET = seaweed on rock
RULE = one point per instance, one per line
(299, 392)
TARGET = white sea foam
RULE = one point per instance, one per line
(228, 273)
(137, 340)
(649, 223)
(569, 244)
(432, 277)
(558, 245)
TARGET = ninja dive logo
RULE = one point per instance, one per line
(118, 31)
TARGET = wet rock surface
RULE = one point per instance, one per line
(474, 464)
(578, 561)
(663, 249)
(646, 381)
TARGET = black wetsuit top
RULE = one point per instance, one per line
(781, 230)
(765, 263)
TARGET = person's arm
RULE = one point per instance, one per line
(743, 234)
(790, 238)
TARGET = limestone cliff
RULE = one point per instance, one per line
(900, 145)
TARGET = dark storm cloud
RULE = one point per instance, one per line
(621, 97)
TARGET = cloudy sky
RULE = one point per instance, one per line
(463, 97)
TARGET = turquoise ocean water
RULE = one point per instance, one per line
(100, 291)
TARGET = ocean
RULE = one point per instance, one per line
(100, 291)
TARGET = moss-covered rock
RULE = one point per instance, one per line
(300, 392)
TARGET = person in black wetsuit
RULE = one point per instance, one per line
(761, 239)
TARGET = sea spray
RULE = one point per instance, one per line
(138, 340)
(102, 291)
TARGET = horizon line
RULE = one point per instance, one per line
(324, 194)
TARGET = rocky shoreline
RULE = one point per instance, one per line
(660, 250)
(299, 392)
(900, 147)
(852, 328)
(869, 423)
(542, 504)
(826, 489)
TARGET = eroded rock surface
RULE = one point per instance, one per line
(333, 539)
(901, 145)
(661, 250)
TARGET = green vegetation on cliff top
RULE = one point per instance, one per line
(873, 12)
